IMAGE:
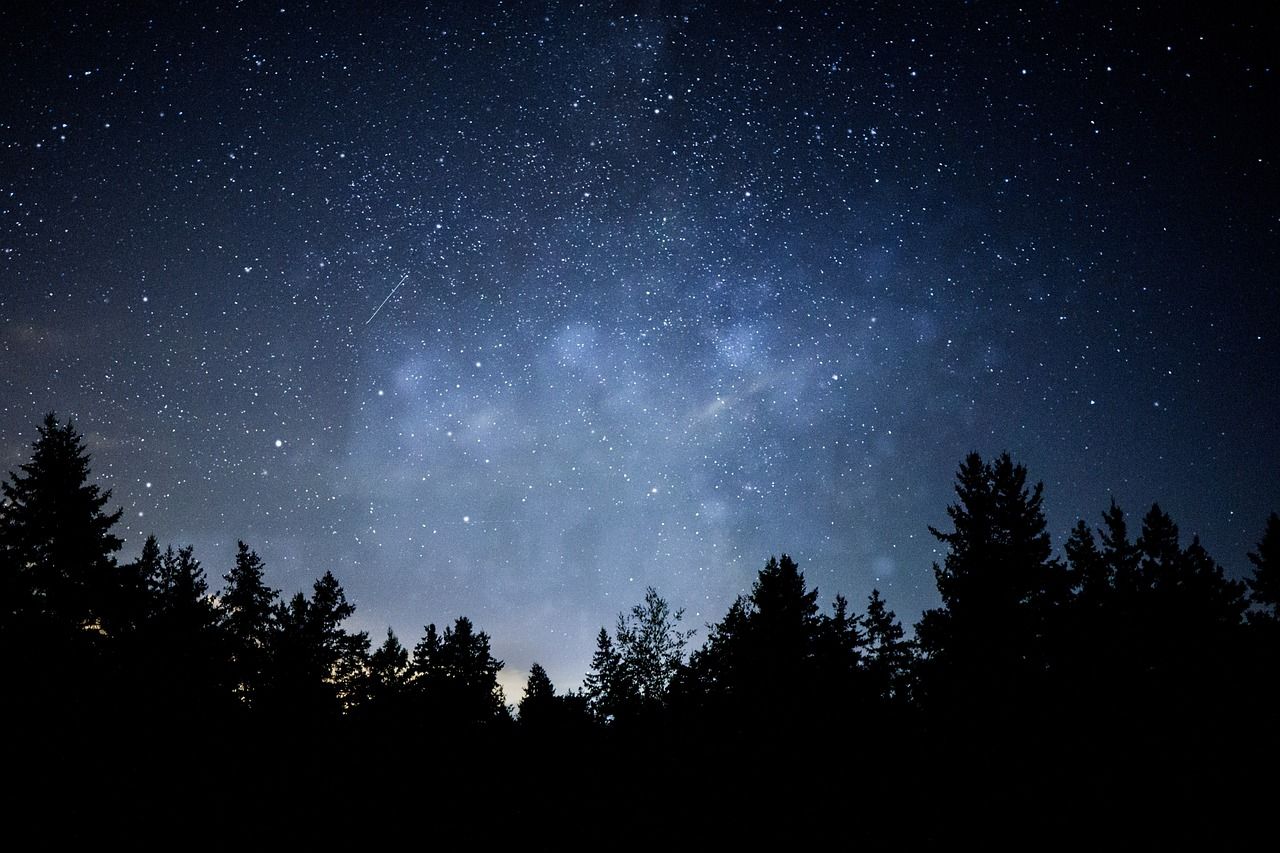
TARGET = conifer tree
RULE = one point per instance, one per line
(604, 687)
(998, 582)
(455, 677)
(538, 703)
(248, 614)
(317, 667)
(888, 653)
(1120, 556)
(56, 535)
(388, 671)
(1265, 583)
(1088, 570)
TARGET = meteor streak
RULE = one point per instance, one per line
(402, 280)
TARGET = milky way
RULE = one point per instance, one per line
(510, 311)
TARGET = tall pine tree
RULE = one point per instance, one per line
(55, 534)
(247, 608)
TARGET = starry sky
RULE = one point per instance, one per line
(512, 309)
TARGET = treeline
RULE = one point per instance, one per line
(1128, 684)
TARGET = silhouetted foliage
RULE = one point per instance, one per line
(632, 672)
(388, 673)
(55, 535)
(317, 668)
(538, 702)
(247, 607)
(774, 657)
(607, 692)
(998, 580)
(650, 648)
(887, 652)
(1131, 671)
(180, 643)
(1265, 583)
(454, 677)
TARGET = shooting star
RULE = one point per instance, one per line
(402, 280)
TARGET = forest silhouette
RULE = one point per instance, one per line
(1125, 691)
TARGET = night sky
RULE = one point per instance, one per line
(512, 310)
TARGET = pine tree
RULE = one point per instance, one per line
(388, 672)
(998, 582)
(538, 703)
(454, 677)
(425, 667)
(1265, 583)
(888, 653)
(180, 586)
(1089, 572)
(840, 640)
(149, 565)
(317, 668)
(1120, 556)
(604, 688)
(247, 609)
(840, 686)
(179, 640)
(773, 658)
(783, 608)
(341, 656)
(1158, 547)
(715, 670)
(56, 537)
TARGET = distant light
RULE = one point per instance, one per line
(466, 519)
(279, 443)
(148, 484)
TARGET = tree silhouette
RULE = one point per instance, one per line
(651, 648)
(455, 678)
(247, 608)
(840, 640)
(177, 584)
(339, 657)
(991, 653)
(1088, 572)
(55, 535)
(179, 644)
(1120, 556)
(632, 673)
(773, 659)
(784, 611)
(1046, 692)
(888, 654)
(1185, 611)
(998, 582)
(607, 692)
(1265, 583)
(388, 673)
(538, 702)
